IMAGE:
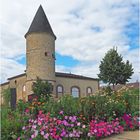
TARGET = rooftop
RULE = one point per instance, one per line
(40, 23)
(60, 74)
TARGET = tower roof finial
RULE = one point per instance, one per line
(40, 23)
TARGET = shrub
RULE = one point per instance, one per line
(11, 124)
(6, 95)
(42, 89)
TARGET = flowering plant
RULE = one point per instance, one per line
(44, 126)
(103, 129)
(47, 127)
(129, 122)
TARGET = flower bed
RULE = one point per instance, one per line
(92, 117)
(44, 126)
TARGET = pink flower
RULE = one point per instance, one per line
(42, 132)
(61, 112)
(27, 110)
(70, 117)
(78, 124)
(95, 130)
(34, 126)
(40, 112)
(32, 136)
(58, 122)
(39, 122)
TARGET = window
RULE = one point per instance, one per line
(89, 91)
(24, 88)
(53, 55)
(59, 90)
(75, 91)
(46, 54)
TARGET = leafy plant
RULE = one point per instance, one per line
(42, 89)
(11, 124)
(6, 95)
(114, 70)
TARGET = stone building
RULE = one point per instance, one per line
(40, 62)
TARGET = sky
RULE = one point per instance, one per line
(85, 30)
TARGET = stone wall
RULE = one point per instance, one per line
(17, 83)
(66, 82)
(82, 84)
(39, 52)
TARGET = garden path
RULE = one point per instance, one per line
(129, 135)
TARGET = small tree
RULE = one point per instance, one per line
(114, 70)
(6, 95)
(42, 89)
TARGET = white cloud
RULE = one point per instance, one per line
(85, 30)
(10, 68)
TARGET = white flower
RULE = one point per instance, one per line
(23, 128)
(83, 126)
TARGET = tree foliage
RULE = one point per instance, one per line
(42, 89)
(113, 69)
(6, 95)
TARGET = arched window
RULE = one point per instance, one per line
(59, 90)
(89, 91)
(75, 91)
(24, 88)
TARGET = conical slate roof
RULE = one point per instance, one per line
(40, 23)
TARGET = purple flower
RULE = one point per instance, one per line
(73, 119)
(63, 133)
(46, 136)
(66, 117)
(65, 122)
(72, 125)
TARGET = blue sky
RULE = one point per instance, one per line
(85, 30)
(60, 60)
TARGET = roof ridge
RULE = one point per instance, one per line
(61, 74)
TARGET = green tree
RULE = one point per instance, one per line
(42, 89)
(6, 95)
(113, 70)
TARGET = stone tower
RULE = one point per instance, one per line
(40, 51)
